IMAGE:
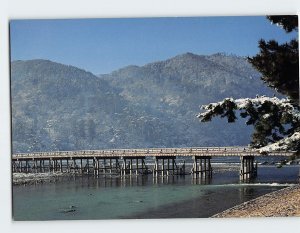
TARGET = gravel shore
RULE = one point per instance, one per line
(35, 178)
(282, 203)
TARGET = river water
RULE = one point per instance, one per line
(89, 197)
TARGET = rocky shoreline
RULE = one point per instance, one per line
(36, 178)
(281, 203)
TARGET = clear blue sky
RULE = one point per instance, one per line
(104, 45)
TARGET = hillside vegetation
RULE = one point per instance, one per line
(59, 107)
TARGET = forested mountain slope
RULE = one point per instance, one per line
(59, 107)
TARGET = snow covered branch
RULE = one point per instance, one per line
(289, 143)
(214, 109)
(276, 121)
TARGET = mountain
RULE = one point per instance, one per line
(60, 107)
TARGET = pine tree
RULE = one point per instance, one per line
(276, 121)
(279, 63)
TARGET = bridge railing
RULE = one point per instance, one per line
(234, 150)
(137, 151)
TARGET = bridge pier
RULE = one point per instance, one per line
(133, 165)
(60, 165)
(96, 166)
(26, 166)
(87, 166)
(42, 166)
(166, 165)
(104, 165)
(74, 165)
(34, 166)
(248, 170)
(20, 166)
(51, 165)
(56, 165)
(201, 167)
(80, 167)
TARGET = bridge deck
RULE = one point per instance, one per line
(193, 151)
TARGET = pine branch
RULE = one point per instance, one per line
(291, 143)
(275, 120)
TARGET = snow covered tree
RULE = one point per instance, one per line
(276, 121)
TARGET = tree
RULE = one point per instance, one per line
(279, 63)
(276, 121)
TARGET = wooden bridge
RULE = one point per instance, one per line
(132, 161)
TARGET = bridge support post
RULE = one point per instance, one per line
(80, 167)
(68, 167)
(117, 166)
(87, 166)
(14, 167)
(20, 166)
(202, 167)
(94, 166)
(43, 166)
(182, 169)
(17, 166)
(39, 166)
(55, 165)
(174, 168)
(110, 166)
(155, 169)
(123, 169)
(49, 165)
(34, 166)
(98, 166)
(104, 164)
(27, 166)
(60, 165)
(247, 169)
(74, 165)
(131, 165)
(165, 165)
(144, 167)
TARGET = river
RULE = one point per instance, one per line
(88, 197)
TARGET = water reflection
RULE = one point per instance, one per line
(202, 180)
(220, 177)
(131, 181)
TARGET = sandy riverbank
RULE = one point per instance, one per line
(282, 203)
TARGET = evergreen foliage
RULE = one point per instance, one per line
(279, 63)
(287, 22)
(273, 119)
(276, 122)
